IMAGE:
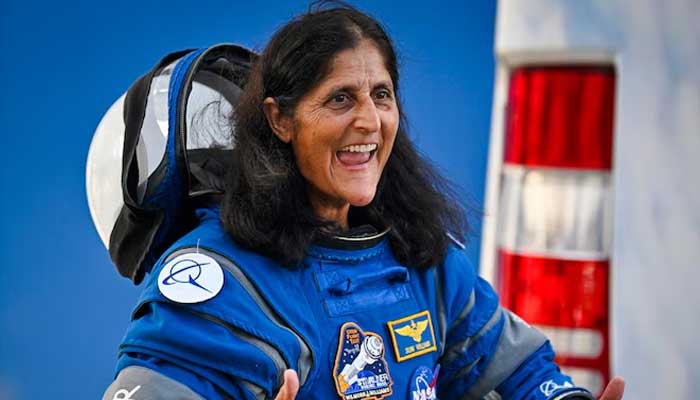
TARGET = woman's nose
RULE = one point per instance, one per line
(367, 116)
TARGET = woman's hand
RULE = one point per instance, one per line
(289, 389)
(614, 389)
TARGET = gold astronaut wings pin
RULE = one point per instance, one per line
(414, 330)
(412, 336)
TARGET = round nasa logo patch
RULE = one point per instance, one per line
(423, 383)
(191, 278)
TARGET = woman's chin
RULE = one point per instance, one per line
(361, 199)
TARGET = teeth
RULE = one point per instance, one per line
(360, 148)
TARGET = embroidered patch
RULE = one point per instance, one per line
(191, 278)
(550, 387)
(124, 394)
(412, 336)
(360, 370)
(423, 384)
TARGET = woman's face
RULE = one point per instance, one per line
(343, 131)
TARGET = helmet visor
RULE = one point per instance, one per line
(209, 125)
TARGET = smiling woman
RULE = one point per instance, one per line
(321, 147)
(342, 132)
(331, 268)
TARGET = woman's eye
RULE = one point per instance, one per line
(382, 95)
(339, 98)
(339, 101)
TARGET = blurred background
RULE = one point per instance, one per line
(572, 127)
(63, 307)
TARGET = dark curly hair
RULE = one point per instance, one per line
(266, 207)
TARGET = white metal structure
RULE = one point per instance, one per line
(633, 225)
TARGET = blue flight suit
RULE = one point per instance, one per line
(352, 321)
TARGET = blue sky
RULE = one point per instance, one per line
(63, 307)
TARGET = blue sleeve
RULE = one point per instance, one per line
(179, 344)
(538, 377)
(228, 346)
(489, 349)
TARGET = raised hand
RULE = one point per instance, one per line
(289, 389)
(614, 389)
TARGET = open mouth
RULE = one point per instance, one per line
(357, 154)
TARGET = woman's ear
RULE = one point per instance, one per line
(280, 124)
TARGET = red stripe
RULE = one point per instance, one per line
(560, 293)
(554, 292)
(561, 117)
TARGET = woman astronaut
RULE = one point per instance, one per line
(326, 264)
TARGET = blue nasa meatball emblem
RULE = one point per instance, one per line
(423, 383)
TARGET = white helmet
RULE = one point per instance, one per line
(162, 144)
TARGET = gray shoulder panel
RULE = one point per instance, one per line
(464, 313)
(457, 349)
(492, 395)
(441, 317)
(517, 342)
(136, 383)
